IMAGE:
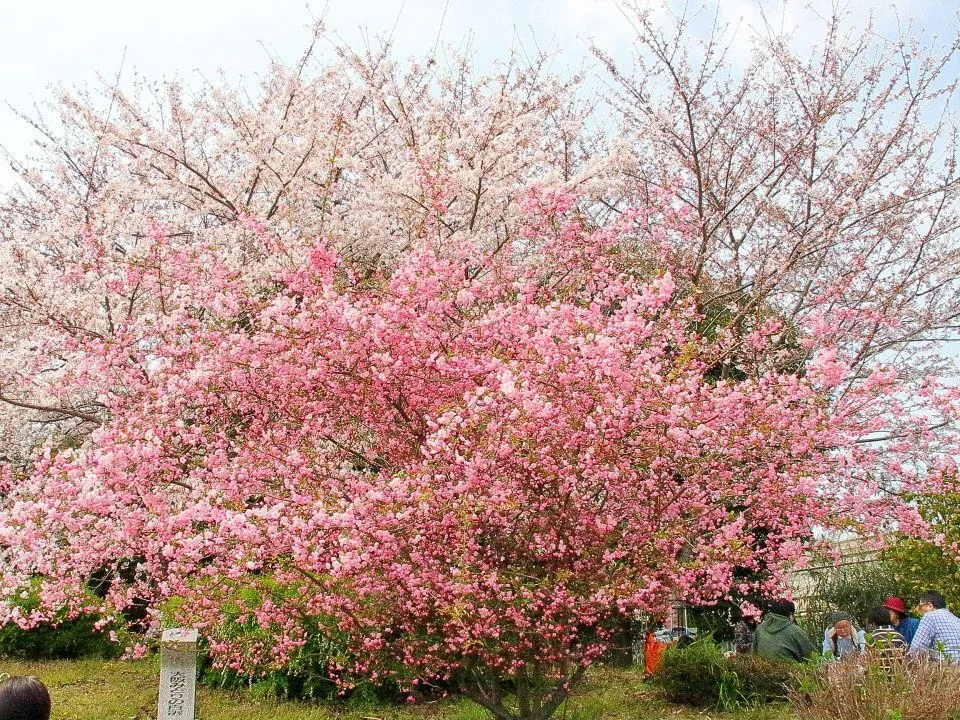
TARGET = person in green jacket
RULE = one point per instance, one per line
(779, 637)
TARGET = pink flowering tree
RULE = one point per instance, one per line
(415, 353)
(475, 464)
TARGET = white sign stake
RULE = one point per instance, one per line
(178, 674)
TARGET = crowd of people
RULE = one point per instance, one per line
(889, 628)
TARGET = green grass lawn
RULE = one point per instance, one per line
(113, 690)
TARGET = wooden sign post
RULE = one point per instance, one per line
(178, 674)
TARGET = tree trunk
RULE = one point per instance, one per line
(487, 692)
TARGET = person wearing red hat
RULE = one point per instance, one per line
(902, 622)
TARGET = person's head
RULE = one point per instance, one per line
(880, 617)
(24, 698)
(843, 628)
(783, 607)
(895, 608)
(931, 600)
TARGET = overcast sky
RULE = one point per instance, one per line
(54, 42)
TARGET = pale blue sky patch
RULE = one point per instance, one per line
(66, 42)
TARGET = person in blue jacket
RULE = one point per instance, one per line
(902, 622)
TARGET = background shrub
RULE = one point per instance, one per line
(307, 675)
(689, 676)
(65, 638)
(749, 680)
(699, 675)
(921, 564)
(854, 589)
(315, 670)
